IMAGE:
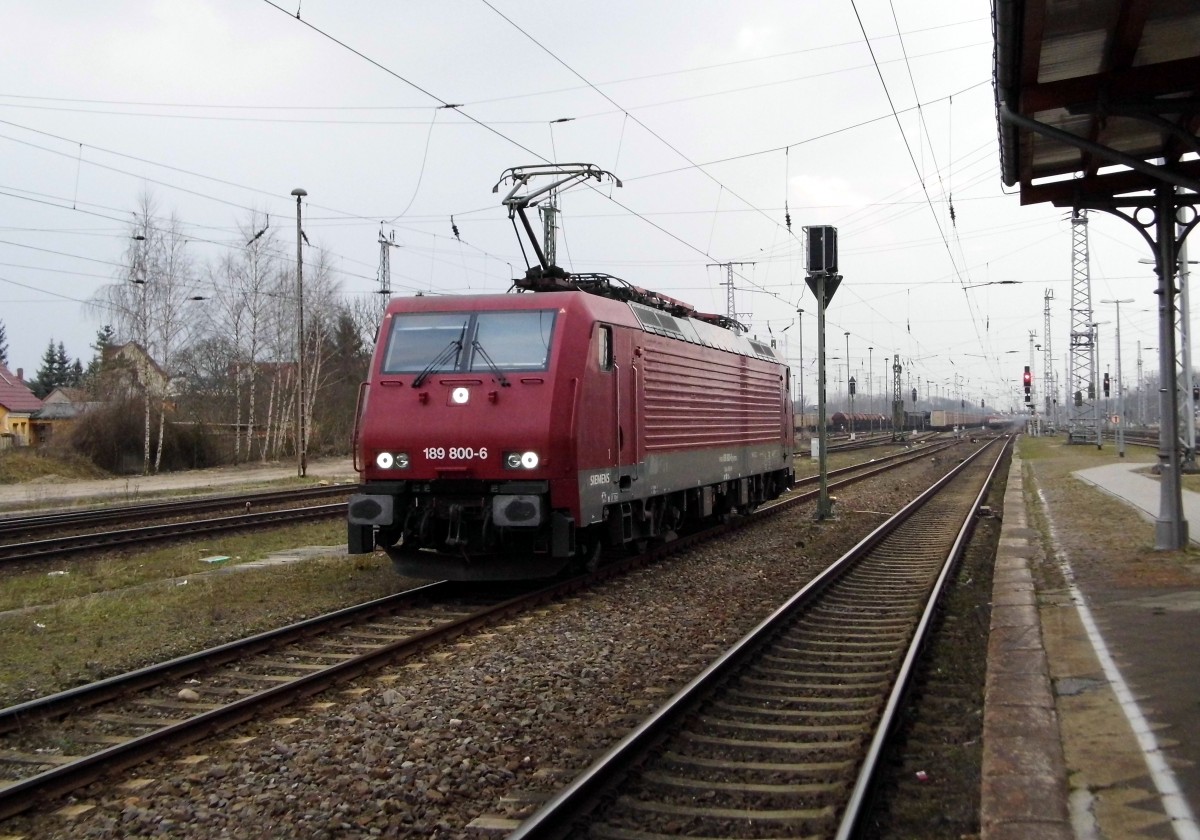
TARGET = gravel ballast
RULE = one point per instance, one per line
(487, 727)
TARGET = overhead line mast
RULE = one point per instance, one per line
(385, 265)
(1081, 424)
(1049, 386)
(730, 304)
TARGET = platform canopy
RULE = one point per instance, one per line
(1097, 98)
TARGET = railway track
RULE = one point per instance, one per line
(61, 546)
(18, 526)
(56, 744)
(780, 736)
(871, 441)
(1137, 439)
(110, 538)
(53, 745)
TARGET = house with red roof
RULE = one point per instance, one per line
(17, 405)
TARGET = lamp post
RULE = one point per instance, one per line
(1141, 386)
(301, 459)
(1095, 327)
(849, 388)
(143, 338)
(800, 319)
(1120, 384)
(870, 377)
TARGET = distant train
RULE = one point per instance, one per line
(843, 421)
(939, 420)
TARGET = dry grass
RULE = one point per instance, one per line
(23, 464)
(43, 586)
(1107, 539)
(117, 614)
(125, 610)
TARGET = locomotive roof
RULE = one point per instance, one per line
(626, 313)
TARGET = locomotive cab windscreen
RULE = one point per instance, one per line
(469, 342)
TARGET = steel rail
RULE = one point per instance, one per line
(904, 456)
(103, 690)
(59, 546)
(86, 696)
(904, 678)
(74, 544)
(85, 517)
(563, 811)
(62, 779)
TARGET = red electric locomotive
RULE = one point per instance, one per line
(508, 436)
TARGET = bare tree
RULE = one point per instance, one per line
(366, 314)
(279, 337)
(235, 357)
(172, 289)
(247, 285)
(321, 315)
(146, 306)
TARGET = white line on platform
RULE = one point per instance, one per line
(1176, 806)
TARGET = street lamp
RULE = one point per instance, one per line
(800, 320)
(1095, 328)
(1120, 384)
(301, 459)
(142, 329)
(849, 386)
(870, 390)
(1141, 386)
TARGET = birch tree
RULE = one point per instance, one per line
(146, 305)
(247, 298)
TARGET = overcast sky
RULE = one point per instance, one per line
(715, 115)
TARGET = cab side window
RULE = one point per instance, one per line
(605, 348)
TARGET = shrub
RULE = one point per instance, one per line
(112, 437)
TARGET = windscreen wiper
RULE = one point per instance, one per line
(451, 351)
(495, 368)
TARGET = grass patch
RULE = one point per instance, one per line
(42, 585)
(84, 637)
(22, 464)
(1106, 539)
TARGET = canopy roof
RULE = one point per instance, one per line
(1097, 98)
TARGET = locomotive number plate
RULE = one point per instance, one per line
(455, 453)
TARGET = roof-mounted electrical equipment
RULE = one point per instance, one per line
(546, 277)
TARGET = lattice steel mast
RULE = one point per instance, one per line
(1049, 386)
(730, 302)
(386, 244)
(1081, 422)
(897, 400)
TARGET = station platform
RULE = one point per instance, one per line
(1092, 708)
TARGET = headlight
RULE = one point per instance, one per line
(388, 461)
(521, 460)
